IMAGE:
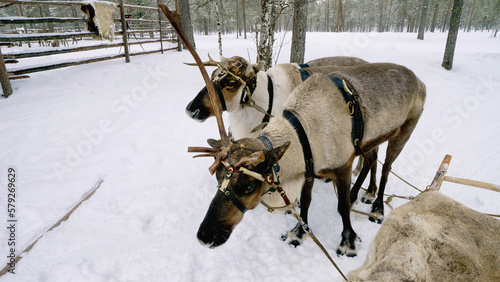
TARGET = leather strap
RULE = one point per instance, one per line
(304, 74)
(270, 90)
(353, 110)
(304, 141)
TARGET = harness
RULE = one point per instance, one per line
(274, 185)
(353, 110)
(304, 142)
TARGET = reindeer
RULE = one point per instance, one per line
(270, 88)
(390, 98)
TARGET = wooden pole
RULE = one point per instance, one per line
(440, 174)
(4, 77)
(179, 41)
(64, 218)
(474, 183)
(159, 22)
(124, 31)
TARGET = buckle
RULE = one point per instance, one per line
(350, 107)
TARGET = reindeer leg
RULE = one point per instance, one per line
(369, 195)
(394, 148)
(297, 234)
(349, 237)
(371, 156)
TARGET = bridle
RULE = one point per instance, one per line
(274, 185)
(246, 95)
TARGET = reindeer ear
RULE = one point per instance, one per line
(258, 66)
(253, 69)
(274, 155)
(216, 144)
(253, 160)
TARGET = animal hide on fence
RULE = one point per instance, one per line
(433, 238)
(100, 19)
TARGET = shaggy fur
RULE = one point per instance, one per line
(100, 19)
(433, 238)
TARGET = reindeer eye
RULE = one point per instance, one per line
(230, 83)
(251, 188)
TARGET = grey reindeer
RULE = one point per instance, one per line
(268, 91)
(388, 97)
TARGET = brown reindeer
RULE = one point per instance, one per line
(390, 101)
(390, 98)
(268, 90)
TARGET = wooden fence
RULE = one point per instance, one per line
(46, 30)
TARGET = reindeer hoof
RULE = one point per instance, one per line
(367, 201)
(378, 221)
(284, 237)
(348, 253)
(294, 243)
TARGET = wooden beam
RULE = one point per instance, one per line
(71, 3)
(71, 50)
(41, 36)
(475, 183)
(76, 63)
(438, 179)
(25, 20)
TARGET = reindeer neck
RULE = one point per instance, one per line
(292, 164)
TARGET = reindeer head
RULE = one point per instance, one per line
(243, 176)
(230, 79)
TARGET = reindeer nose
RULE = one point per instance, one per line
(196, 113)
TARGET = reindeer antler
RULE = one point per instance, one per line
(210, 63)
(219, 154)
(174, 18)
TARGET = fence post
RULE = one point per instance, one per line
(4, 77)
(159, 22)
(124, 31)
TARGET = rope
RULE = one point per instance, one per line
(400, 178)
(309, 232)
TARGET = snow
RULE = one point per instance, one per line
(65, 130)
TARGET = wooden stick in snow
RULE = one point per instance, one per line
(64, 218)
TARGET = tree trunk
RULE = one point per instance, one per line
(471, 16)
(299, 31)
(238, 34)
(447, 16)
(423, 20)
(340, 19)
(219, 32)
(327, 15)
(380, 19)
(186, 22)
(263, 51)
(452, 34)
(435, 17)
(244, 20)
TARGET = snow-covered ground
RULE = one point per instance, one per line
(65, 130)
